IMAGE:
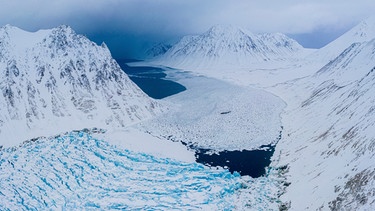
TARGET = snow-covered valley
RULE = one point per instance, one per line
(327, 143)
(321, 100)
(213, 114)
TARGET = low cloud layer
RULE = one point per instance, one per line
(129, 25)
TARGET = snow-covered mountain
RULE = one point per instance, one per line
(364, 31)
(228, 46)
(328, 144)
(56, 80)
(157, 50)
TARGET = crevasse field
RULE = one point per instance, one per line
(76, 171)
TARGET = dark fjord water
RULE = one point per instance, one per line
(246, 162)
(152, 80)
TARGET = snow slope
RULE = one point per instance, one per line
(228, 46)
(329, 146)
(157, 50)
(54, 80)
(364, 31)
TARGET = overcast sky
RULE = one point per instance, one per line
(127, 26)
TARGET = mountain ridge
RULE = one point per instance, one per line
(329, 121)
(362, 32)
(62, 79)
(226, 45)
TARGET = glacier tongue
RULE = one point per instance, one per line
(76, 171)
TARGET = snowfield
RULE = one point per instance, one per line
(216, 115)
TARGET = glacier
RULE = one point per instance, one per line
(75, 171)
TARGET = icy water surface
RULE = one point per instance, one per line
(152, 80)
(205, 98)
(246, 162)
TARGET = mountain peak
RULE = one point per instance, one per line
(65, 32)
(8, 27)
(222, 29)
(226, 45)
(64, 29)
(362, 32)
(56, 80)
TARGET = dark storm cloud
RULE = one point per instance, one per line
(127, 25)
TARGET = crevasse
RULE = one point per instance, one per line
(75, 171)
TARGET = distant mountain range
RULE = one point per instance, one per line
(226, 45)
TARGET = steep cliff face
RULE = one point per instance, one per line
(58, 80)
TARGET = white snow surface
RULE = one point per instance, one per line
(224, 46)
(213, 114)
(137, 141)
(328, 142)
(157, 50)
(53, 81)
(364, 31)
